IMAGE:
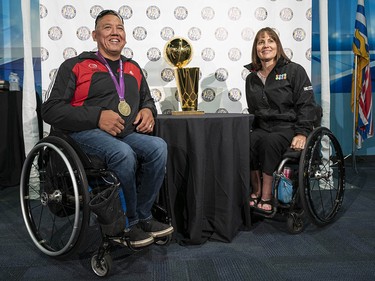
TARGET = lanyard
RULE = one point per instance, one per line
(120, 86)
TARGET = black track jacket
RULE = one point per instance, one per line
(285, 101)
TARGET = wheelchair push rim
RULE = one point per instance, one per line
(54, 198)
(322, 177)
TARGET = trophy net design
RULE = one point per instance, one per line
(178, 53)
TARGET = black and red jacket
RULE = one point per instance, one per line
(83, 88)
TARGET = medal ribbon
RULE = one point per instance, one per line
(120, 85)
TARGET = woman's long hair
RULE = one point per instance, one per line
(256, 63)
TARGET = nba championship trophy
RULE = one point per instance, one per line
(178, 53)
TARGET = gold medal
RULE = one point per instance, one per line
(124, 108)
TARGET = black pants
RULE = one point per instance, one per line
(267, 148)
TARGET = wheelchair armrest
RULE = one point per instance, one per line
(291, 153)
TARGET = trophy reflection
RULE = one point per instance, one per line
(178, 53)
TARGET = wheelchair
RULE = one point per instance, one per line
(58, 183)
(318, 182)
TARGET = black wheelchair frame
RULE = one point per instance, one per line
(318, 177)
(58, 181)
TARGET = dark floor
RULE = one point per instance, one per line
(344, 250)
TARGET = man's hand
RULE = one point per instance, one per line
(111, 122)
(144, 121)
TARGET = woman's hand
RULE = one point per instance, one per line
(298, 142)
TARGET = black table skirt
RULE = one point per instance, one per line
(12, 149)
(208, 174)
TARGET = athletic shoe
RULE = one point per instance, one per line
(137, 237)
(156, 229)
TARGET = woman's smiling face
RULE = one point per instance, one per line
(266, 48)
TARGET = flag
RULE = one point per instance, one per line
(29, 115)
(361, 82)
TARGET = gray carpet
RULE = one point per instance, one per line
(344, 250)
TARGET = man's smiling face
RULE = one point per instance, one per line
(110, 35)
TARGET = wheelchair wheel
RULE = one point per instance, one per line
(103, 266)
(54, 197)
(321, 176)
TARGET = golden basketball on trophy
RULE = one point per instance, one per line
(178, 52)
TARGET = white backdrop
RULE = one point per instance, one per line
(221, 33)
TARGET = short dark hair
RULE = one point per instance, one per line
(107, 12)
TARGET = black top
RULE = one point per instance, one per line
(285, 100)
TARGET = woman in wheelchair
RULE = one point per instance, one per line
(102, 100)
(279, 94)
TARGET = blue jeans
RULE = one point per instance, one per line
(139, 162)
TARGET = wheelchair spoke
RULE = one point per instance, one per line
(54, 197)
(323, 186)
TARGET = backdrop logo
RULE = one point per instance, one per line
(221, 32)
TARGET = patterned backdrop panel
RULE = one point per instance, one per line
(220, 32)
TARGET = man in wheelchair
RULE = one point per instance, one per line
(102, 100)
(279, 94)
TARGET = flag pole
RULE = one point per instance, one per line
(354, 162)
(324, 66)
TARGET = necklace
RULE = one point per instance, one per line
(262, 77)
(123, 107)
